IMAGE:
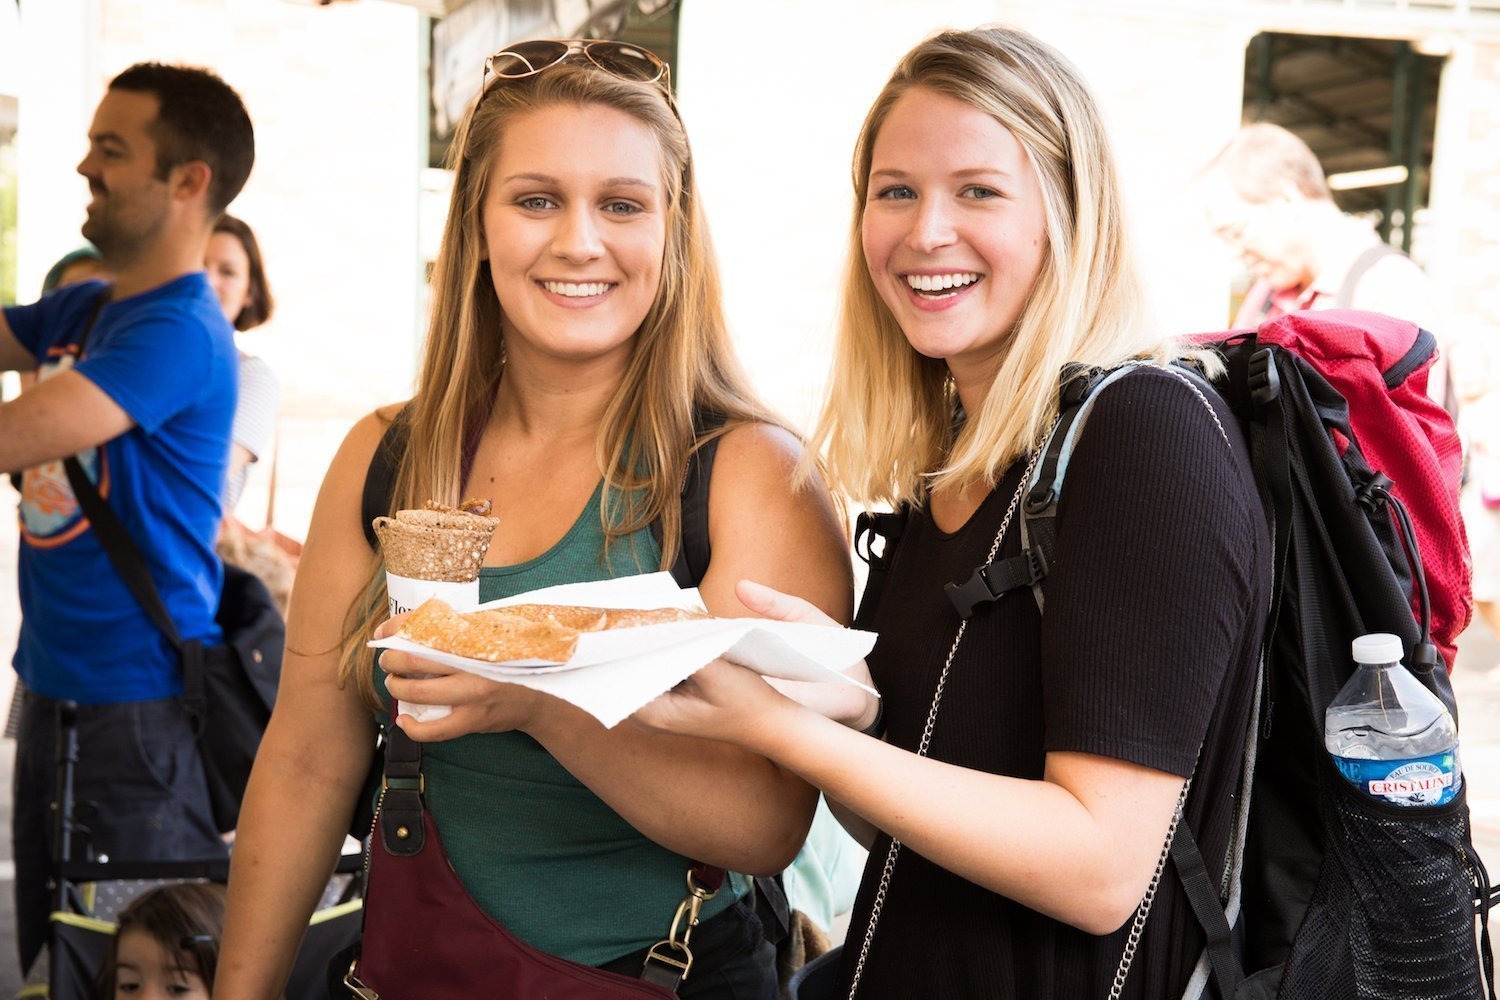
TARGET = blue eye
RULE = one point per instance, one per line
(980, 193)
(896, 192)
(624, 208)
(536, 203)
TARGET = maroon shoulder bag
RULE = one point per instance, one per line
(426, 939)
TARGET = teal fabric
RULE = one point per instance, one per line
(824, 877)
(534, 847)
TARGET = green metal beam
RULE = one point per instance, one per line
(1396, 140)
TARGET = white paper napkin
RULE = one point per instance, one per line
(615, 672)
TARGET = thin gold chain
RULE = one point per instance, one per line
(937, 697)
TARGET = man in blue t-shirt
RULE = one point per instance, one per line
(146, 406)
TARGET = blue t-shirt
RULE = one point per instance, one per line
(167, 358)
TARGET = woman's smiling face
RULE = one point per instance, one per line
(574, 223)
(954, 228)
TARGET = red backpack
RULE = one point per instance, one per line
(1380, 365)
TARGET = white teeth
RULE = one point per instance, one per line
(576, 291)
(939, 282)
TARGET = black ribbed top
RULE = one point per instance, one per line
(1148, 650)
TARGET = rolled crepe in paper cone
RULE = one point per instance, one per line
(435, 551)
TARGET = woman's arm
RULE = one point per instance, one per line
(1145, 634)
(709, 800)
(1079, 845)
(315, 754)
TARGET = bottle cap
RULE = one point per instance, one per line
(1378, 647)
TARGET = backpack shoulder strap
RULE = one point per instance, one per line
(380, 477)
(695, 550)
(887, 527)
(1080, 390)
(1357, 270)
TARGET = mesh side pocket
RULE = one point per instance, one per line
(1393, 913)
(1319, 966)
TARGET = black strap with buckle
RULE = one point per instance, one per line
(992, 580)
(401, 826)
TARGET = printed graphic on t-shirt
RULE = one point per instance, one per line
(50, 515)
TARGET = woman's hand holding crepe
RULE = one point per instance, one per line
(722, 701)
(479, 706)
(722, 697)
(840, 702)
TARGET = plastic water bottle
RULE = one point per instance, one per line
(1390, 736)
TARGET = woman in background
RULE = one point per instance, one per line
(238, 277)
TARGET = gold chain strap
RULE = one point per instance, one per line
(937, 698)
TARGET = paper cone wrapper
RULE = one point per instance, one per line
(405, 594)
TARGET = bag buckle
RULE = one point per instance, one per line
(356, 987)
(678, 966)
(1262, 378)
(417, 784)
(992, 580)
(684, 920)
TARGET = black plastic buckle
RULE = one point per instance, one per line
(992, 580)
(1076, 383)
(885, 527)
(1262, 378)
(1039, 499)
(1373, 495)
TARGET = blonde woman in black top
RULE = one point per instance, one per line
(988, 252)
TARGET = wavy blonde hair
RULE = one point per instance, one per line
(683, 361)
(888, 427)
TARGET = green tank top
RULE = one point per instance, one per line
(535, 848)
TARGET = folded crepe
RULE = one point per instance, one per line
(437, 542)
(523, 631)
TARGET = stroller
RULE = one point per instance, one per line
(89, 893)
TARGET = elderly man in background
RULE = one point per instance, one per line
(1268, 198)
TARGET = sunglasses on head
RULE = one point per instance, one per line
(620, 59)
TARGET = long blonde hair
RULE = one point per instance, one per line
(888, 429)
(683, 361)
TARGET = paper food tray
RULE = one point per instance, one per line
(615, 672)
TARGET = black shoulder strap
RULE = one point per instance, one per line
(123, 554)
(695, 551)
(380, 477)
(1208, 908)
(1362, 263)
(1039, 506)
(887, 528)
(1039, 509)
(130, 564)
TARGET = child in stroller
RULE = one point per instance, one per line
(166, 944)
(98, 899)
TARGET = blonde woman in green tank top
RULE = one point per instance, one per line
(576, 329)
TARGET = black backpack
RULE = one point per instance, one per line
(1328, 894)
